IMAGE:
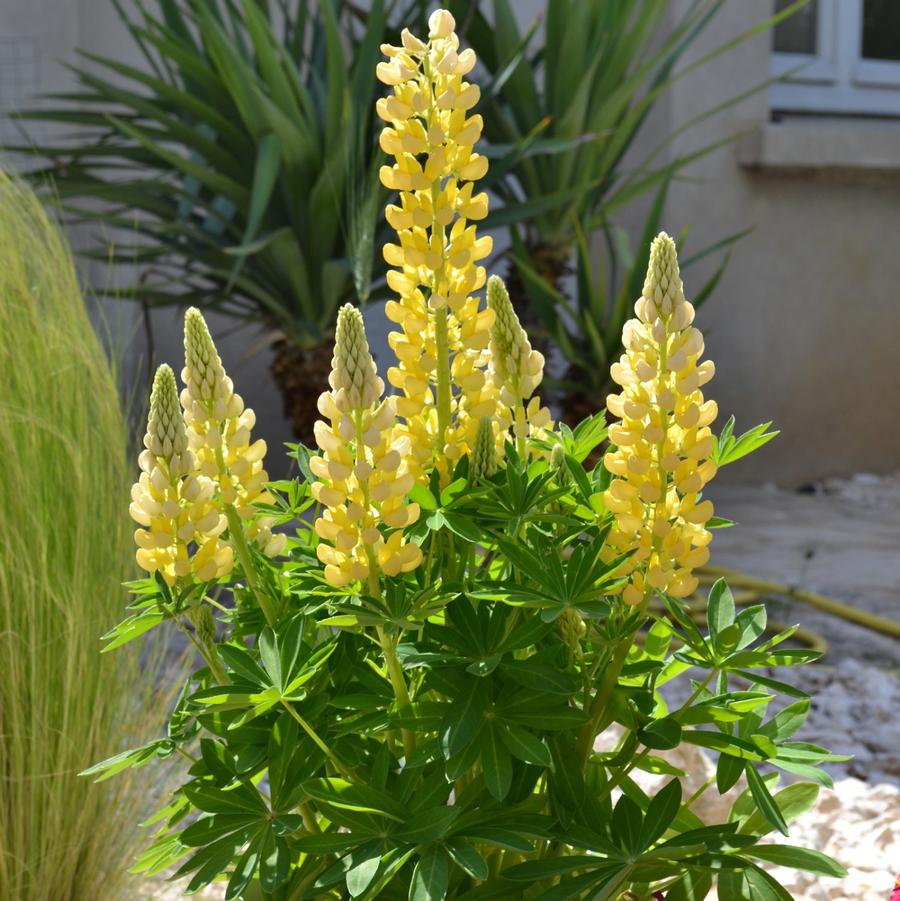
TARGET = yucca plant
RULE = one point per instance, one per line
(563, 114)
(64, 474)
(236, 165)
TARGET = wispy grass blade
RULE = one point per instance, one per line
(64, 548)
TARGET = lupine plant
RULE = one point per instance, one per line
(437, 665)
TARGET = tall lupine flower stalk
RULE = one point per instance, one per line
(218, 428)
(515, 369)
(182, 523)
(443, 334)
(363, 471)
(663, 444)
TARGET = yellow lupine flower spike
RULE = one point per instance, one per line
(515, 368)
(663, 443)
(443, 335)
(219, 428)
(364, 470)
(181, 522)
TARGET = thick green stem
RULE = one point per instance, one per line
(236, 532)
(346, 772)
(389, 652)
(398, 683)
(603, 697)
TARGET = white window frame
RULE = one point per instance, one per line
(837, 79)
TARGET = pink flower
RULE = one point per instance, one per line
(895, 894)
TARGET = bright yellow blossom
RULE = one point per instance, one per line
(516, 369)
(218, 427)
(663, 443)
(443, 337)
(182, 523)
(364, 470)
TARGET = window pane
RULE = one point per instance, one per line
(881, 29)
(797, 33)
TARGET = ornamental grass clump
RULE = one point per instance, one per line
(441, 673)
(64, 546)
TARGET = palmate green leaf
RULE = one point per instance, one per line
(463, 721)
(694, 886)
(720, 611)
(728, 771)
(601, 882)
(792, 802)
(134, 759)
(498, 837)
(430, 877)
(728, 448)
(245, 868)
(365, 866)
(349, 796)
(786, 722)
(763, 659)
(540, 677)
(752, 884)
(210, 861)
(427, 825)
(238, 799)
(725, 744)
(767, 805)
(133, 627)
(241, 662)
(274, 861)
(496, 762)
(797, 859)
(536, 870)
(660, 814)
(467, 857)
(661, 735)
(525, 746)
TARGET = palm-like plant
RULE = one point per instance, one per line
(237, 165)
(562, 116)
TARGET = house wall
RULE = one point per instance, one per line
(805, 324)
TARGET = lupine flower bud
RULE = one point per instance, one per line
(484, 453)
(571, 628)
(663, 444)
(204, 624)
(354, 378)
(181, 522)
(364, 470)
(558, 465)
(219, 433)
(435, 261)
(515, 368)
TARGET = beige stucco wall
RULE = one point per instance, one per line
(805, 324)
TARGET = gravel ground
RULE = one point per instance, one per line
(840, 538)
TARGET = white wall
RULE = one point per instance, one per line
(805, 325)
